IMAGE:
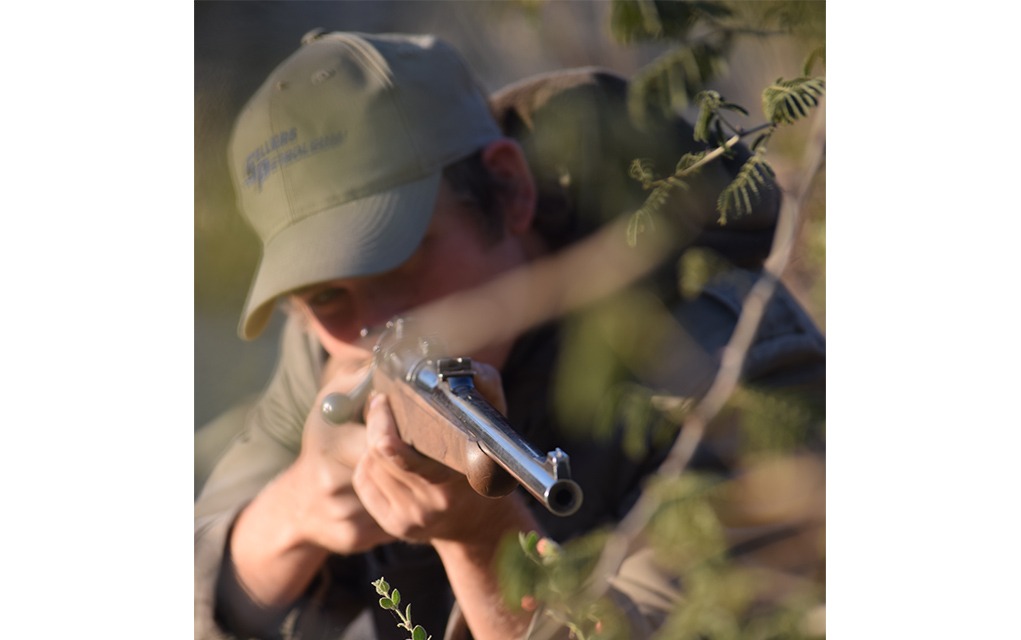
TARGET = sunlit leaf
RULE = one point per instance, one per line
(787, 101)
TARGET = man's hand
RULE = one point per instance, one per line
(310, 510)
(413, 497)
(325, 509)
(416, 498)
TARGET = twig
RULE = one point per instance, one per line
(707, 158)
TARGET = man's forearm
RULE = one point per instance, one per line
(471, 569)
(267, 565)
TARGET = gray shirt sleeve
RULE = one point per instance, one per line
(268, 441)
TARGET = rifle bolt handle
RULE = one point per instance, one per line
(337, 408)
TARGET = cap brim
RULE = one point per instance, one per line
(362, 237)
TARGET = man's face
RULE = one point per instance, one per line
(454, 255)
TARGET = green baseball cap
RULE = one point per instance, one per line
(337, 158)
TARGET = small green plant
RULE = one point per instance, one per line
(391, 601)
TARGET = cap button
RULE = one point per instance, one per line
(312, 35)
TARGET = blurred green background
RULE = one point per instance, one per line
(238, 43)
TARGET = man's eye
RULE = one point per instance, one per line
(325, 297)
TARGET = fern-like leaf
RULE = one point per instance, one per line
(687, 161)
(819, 53)
(739, 197)
(708, 104)
(787, 101)
(640, 222)
(641, 170)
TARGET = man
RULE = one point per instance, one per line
(381, 183)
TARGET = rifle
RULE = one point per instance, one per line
(439, 411)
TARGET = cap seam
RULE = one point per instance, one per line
(365, 52)
(296, 216)
(285, 179)
(370, 56)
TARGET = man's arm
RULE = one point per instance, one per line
(281, 539)
(257, 548)
(415, 498)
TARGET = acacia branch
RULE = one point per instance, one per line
(706, 159)
(627, 532)
(715, 153)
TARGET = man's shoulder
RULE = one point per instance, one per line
(786, 337)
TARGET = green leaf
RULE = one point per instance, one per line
(708, 103)
(737, 198)
(418, 633)
(395, 597)
(819, 53)
(640, 221)
(407, 613)
(386, 603)
(787, 101)
(382, 587)
(641, 170)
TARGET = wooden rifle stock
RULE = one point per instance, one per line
(440, 412)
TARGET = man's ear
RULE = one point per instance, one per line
(505, 161)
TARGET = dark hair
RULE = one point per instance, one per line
(476, 186)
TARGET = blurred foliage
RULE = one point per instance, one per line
(783, 103)
(602, 351)
(696, 268)
(812, 247)
(721, 596)
(730, 586)
(684, 528)
(737, 198)
(787, 101)
(537, 572)
(771, 421)
(634, 20)
(704, 35)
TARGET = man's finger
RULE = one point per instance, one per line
(384, 441)
(349, 444)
